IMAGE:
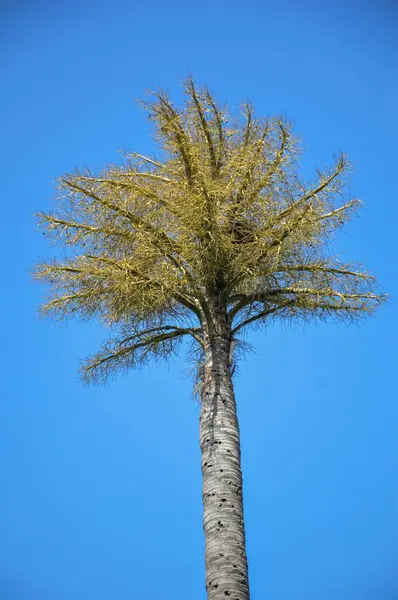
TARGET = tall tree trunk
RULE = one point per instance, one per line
(226, 560)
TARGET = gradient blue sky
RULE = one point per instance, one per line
(101, 487)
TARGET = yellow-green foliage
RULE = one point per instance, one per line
(221, 217)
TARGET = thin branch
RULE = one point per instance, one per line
(248, 128)
(148, 160)
(195, 332)
(138, 223)
(186, 301)
(322, 269)
(320, 292)
(275, 163)
(341, 164)
(221, 140)
(128, 175)
(336, 211)
(151, 344)
(203, 122)
(291, 227)
(313, 193)
(246, 299)
(258, 149)
(132, 186)
(149, 176)
(172, 118)
(69, 298)
(261, 315)
(80, 226)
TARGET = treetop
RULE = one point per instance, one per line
(222, 216)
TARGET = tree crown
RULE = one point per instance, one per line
(222, 218)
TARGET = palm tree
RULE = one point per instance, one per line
(217, 235)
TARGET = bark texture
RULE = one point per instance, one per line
(225, 551)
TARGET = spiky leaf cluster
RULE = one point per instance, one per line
(224, 214)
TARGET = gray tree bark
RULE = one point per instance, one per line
(225, 547)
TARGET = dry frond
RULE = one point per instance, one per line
(223, 218)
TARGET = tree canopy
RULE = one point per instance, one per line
(222, 213)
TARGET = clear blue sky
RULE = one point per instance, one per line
(101, 487)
